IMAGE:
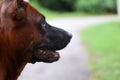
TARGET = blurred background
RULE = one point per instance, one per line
(94, 52)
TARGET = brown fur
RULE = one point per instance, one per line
(13, 40)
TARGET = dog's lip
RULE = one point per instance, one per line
(46, 55)
(49, 54)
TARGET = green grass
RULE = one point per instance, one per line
(53, 14)
(103, 41)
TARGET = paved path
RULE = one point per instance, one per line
(73, 64)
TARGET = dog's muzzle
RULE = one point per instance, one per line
(55, 39)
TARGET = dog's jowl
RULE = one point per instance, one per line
(26, 37)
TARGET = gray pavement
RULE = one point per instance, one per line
(73, 64)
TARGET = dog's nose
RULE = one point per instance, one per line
(69, 35)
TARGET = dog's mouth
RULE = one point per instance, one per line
(42, 55)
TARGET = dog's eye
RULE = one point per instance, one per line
(43, 24)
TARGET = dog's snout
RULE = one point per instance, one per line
(57, 38)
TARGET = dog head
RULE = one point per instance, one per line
(25, 32)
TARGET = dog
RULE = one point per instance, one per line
(26, 37)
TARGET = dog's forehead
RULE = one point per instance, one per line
(32, 12)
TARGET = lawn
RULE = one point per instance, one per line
(103, 43)
(53, 14)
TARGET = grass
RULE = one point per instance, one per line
(53, 14)
(103, 41)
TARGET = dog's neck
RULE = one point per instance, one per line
(11, 64)
(11, 67)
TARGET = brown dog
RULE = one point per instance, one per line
(26, 37)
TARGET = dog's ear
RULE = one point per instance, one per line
(20, 9)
